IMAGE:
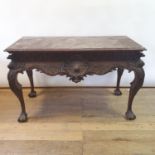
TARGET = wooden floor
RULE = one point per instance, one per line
(77, 121)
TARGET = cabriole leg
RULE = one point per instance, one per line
(30, 76)
(135, 86)
(117, 91)
(17, 89)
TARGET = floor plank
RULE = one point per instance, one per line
(43, 147)
(119, 148)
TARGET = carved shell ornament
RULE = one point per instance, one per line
(76, 70)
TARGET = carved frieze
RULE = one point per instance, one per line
(76, 68)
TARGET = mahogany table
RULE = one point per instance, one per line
(75, 57)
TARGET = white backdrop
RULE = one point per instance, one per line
(135, 18)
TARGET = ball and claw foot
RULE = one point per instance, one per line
(117, 92)
(130, 115)
(22, 118)
(32, 94)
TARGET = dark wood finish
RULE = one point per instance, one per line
(75, 57)
(30, 76)
(117, 91)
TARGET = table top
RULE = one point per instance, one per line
(66, 44)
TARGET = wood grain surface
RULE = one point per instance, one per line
(77, 121)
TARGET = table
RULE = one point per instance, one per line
(75, 57)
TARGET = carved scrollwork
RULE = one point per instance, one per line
(76, 70)
(76, 66)
(100, 68)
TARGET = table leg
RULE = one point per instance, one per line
(30, 76)
(17, 89)
(117, 91)
(135, 86)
